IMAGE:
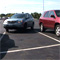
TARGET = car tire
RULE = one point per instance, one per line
(57, 30)
(32, 27)
(42, 29)
(25, 26)
(7, 30)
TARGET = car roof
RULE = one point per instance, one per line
(51, 10)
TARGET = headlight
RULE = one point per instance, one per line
(19, 21)
(5, 22)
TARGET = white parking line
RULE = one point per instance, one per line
(2, 36)
(49, 37)
(28, 49)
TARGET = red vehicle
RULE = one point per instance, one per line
(50, 19)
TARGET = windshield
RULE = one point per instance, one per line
(18, 16)
(58, 13)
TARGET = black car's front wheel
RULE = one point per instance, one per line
(32, 27)
(25, 26)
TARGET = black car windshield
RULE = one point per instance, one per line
(58, 13)
(18, 16)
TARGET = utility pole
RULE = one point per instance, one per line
(43, 5)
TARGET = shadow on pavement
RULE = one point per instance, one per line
(27, 31)
(50, 31)
(47, 31)
(6, 43)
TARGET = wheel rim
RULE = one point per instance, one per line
(41, 27)
(57, 31)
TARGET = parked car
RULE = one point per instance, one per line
(50, 19)
(18, 21)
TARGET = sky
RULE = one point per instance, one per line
(28, 6)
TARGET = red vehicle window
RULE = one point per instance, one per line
(51, 13)
(46, 14)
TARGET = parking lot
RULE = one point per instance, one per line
(29, 45)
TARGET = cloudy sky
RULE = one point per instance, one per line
(29, 6)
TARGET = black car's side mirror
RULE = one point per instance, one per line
(52, 16)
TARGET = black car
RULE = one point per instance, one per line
(18, 21)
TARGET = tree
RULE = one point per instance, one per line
(2, 15)
(9, 14)
(36, 15)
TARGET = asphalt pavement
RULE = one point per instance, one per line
(29, 44)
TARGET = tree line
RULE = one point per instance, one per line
(6, 15)
(35, 15)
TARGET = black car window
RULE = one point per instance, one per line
(51, 13)
(30, 16)
(58, 13)
(18, 16)
(46, 14)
